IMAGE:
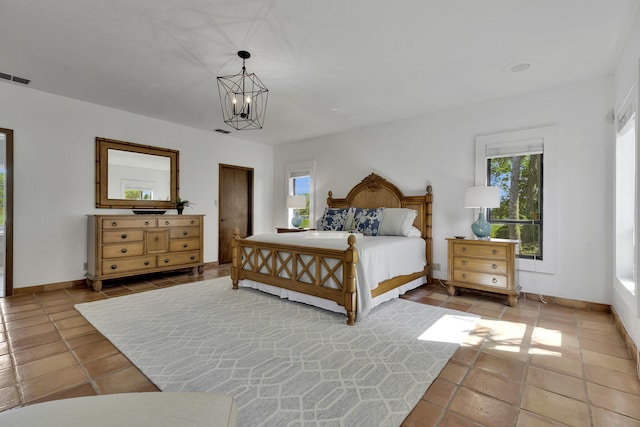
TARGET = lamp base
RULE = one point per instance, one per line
(296, 220)
(481, 228)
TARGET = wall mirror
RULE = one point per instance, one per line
(135, 176)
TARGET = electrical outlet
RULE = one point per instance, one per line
(84, 265)
(436, 266)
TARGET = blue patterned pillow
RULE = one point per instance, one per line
(334, 219)
(367, 221)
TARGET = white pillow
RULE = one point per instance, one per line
(414, 232)
(397, 221)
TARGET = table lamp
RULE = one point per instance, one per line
(481, 197)
(295, 202)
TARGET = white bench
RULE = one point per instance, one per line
(155, 409)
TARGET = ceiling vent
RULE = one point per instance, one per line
(223, 131)
(15, 78)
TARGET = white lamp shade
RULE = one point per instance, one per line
(296, 201)
(482, 197)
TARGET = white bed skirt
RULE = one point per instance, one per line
(328, 304)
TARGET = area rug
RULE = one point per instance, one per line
(286, 363)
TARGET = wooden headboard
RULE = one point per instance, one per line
(375, 192)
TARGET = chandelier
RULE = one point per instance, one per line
(243, 98)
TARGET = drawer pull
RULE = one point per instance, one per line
(146, 262)
(146, 223)
(494, 280)
(113, 266)
(464, 249)
(464, 275)
(192, 222)
(184, 233)
(156, 239)
(193, 257)
(185, 245)
(166, 223)
(166, 260)
(123, 250)
(464, 262)
(124, 235)
(494, 251)
(113, 224)
(494, 266)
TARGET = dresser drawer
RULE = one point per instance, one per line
(119, 223)
(178, 222)
(123, 250)
(184, 232)
(494, 266)
(178, 258)
(481, 251)
(180, 245)
(490, 280)
(122, 236)
(128, 264)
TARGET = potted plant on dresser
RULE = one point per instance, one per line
(181, 204)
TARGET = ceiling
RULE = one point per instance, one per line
(330, 65)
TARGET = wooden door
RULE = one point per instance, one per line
(235, 207)
(6, 212)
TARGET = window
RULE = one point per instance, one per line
(519, 216)
(524, 165)
(625, 197)
(300, 181)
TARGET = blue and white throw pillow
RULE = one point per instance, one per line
(367, 221)
(333, 219)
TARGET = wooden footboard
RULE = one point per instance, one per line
(324, 273)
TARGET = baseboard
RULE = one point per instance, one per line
(567, 302)
(75, 283)
(631, 346)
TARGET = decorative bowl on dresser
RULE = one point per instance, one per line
(485, 265)
(128, 245)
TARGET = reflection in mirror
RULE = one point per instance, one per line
(135, 176)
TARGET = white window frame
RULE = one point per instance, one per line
(297, 168)
(521, 142)
(623, 114)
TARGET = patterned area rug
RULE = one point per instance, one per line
(286, 363)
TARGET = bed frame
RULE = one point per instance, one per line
(284, 266)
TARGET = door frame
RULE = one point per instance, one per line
(250, 172)
(8, 213)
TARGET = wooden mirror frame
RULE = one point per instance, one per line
(102, 175)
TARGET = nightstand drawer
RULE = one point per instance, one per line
(481, 251)
(492, 280)
(480, 265)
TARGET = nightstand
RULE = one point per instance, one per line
(485, 265)
(291, 230)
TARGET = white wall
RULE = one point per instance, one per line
(439, 149)
(626, 74)
(54, 187)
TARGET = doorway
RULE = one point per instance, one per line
(6, 212)
(235, 207)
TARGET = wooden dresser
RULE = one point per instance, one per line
(486, 265)
(127, 245)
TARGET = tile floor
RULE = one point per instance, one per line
(531, 365)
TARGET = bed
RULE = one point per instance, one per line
(346, 271)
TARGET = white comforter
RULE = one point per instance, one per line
(380, 257)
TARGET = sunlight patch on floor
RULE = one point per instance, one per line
(450, 328)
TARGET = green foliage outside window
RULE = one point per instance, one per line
(519, 216)
(131, 194)
(304, 213)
